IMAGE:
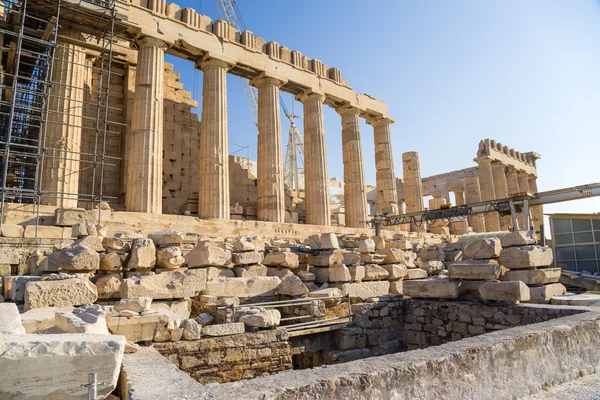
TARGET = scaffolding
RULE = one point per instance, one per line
(56, 108)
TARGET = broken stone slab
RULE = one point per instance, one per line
(111, 262)
(192, 330)
(357, 272)
(166, 238)
(326, 258)
(71, 216)
(257, 317)
(375, 273)
(415, 273)
(518, 238)
(218, 272)
(224, 329)
(10, 320)
(12, 230)
(60, 293)
(242, 244)
(282, 259)
(41, 320)
(396, 287)
(526, 257)
(474, 270)
(250, 271)
(292, 286)
(169, 257)
(86, 319)
(138, 305)
(56, 366)
(328, 241)
(483, 249)
(116, 244)
(339, 273)
(247, 258)
(139, 328)
(392, 256)
(366, 246)
(142, 255)
(395, 271)
(79, 258)
(432, 267)
(207, 257)
(93, 242)
(432, 289)
(431, 254)
(513, 291)
(580, 299)
(14, 286)
(167, 285)
(364, 290)
(108, 286)
(533, 276)
(243, 287)
(372, 258)
(544, 294)
(351, 258)
(182, 308)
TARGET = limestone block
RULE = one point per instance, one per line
(14, 286)
(12, 230)
(282, 259)
(474, 269)
(208, 256)
(56, 366)
(111, 262)
(258, 317)
(79, 258)
(40, 320)
(544, 294)
(10, 320)
(366, 246)
(167, 285)
(432, 267)
(259, 244)
(224, 329)
(415, 273)
(433, 289)
(166, 238)
(143, 254)
(192, 330)
(395, 271)
(365, 290)
(292, 286)
(243, 287)
(379, 242)
(250, 271)
(392, 256)
(169, 257)
(139, 328)
(409, 259)
(375, 273)
(113, 243)
(108, 286)
(533, 276)
(326, 258)
(514, 291)
(44, 232)
(357, 272)
(182, 308)
(306, 276)
(431, 254)
(50, 263)
(138, 305)
(93, 242)
(321, 274)
(281, 273)
(396, 287)
(60, 293)
(372, 258)
(518, 238)
(401, 244)
(219, 272)
(325, 293)
(526, 257)
(241, 244)
(90, 318)
(339, 273)
(314, 241)
(483, 249)
(351, 258)
(329, 241)
(71, 216)
(247, 258)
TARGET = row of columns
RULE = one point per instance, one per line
(144, 180)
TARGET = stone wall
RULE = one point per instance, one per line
(231, 358)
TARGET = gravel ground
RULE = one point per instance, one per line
(587, 388)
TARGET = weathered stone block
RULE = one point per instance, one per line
(329, 241)
(219, 272)
(10, 320)
(39, 320)
(208, 256)
(137, 305)
(431, 254)
(14, 286)
(250, 271)
(108, 286)
(474, 269)
(366, 246)
(483, 249)
(365, 290)
(432, 267)
(415, 273)
(79, 258)
(544, 294)
(224, 329)
(395, 271)
(321, 274)
(87, 319)
(339, 273)
(518, 238)
(526, 257)
(143, 254)
(139, 328)
(166, 238)
(533, 276)
(433, 289)
(375, 273)
(392, 256)
(357, 272)
(243, 287)
(372, 258)
(71, 216)
(44, 232)
(326, 258)
(12, 230)
(60, 293)
(351, 258)
(281, 273)
(281, 259)
(258, 317)
(247, 258)
(111, 262)
(168, 285)
(169, 257)
(292, 286)
(396, 287)
(514, 291)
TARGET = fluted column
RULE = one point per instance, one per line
(213, 190)
(413, 186)
(355, 194)
(523, 180)
(473, 195)
(387, 197)
(512, 182)
(145, 163)
(459, 227)
(501, 188)
(486, 183)
(316, 184)
(271, 201)
(537, 212)
(60, 174)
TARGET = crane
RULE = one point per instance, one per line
(294, 155)
(508, 206)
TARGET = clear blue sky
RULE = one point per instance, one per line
(525, 73)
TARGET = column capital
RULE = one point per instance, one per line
(379, 121)
(211, 62)
(309, 95)
(265, 79)
(520, 172)
(483, 160)
(347, 108)
(151, 42)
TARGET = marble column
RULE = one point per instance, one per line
(512, 182)
(271, 196)
(213, 190)
(145, 161)
(486, 183)
(459, 227)
(501, 189)
(473, 195)
(413, 186)
(355, 194)
(61, 162)
(537, 212)
(387, 197)
(316, 181)
(523, 180)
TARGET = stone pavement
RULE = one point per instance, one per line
(586, 388)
